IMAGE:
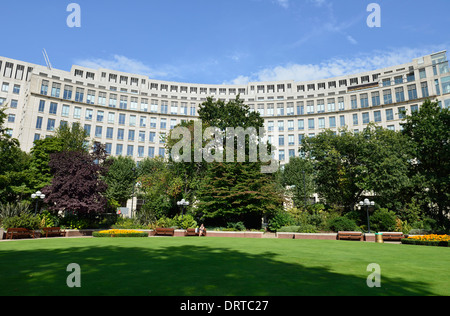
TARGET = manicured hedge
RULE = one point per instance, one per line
(407, 241)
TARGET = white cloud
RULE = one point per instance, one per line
(283, 3)
(336, 67)
(125, 64)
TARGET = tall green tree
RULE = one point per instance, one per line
(349, 166)
(429, 133)
(121, 179)
(236, 191)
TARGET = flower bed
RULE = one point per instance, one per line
(120, 233)
(428, 240)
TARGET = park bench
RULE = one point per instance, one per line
(392, 236)
(53, 232)
(19, 232)
(164, 231)
(193, 232)
(350, 236)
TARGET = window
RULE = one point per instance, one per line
(123, 103)
(119, 149)
(112, 101)
(56, 90)
(270, 126)
(332, 121)
(424, 86)
(375, 98)
(281, 155)
(100, 116)
(445, 85)
(311, 124)
(174, 108)
(39, 123)
(162, 152)
(398, 80)
(355, 119)
(399, 95)
(41, 108)
(320, 106)
(366, 118)
(109, 132)
(342, 120)
(144, 105)
(281, 126)
(377, 116)
(387, 96)
(120, 134)
(280, 110)
(151, 152)
(87, 129)
(152, 137)
(310, 107)
(98, 131)
(77, 113)
(401, 112)
(291, 153)
(11, 118)
(142, 136)
(291, 140)
(108, 148)
(79, 95)
(290, 125)
(321, 122)
(16, 89)
(51, 125)
(164, 107)
(364, 100)
(5, 87)
(102, 98)
(141, 151)
(354, 102)
(412, 92)
(131, 135)
(133, 104)
(163, 123)
(331, 105)
(65, 110)
(44, 87)
(389, 115)
(132, 120)
(111, 117)
(67, 93)
(130, 150)
(122, 118)
(143, 121)
(301, 124)
(90, 97)
(14, 104)
(281, 140)
(422, 73)
(53, 108)
(414, 108)
(89, 114)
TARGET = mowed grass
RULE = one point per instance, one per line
(220, 267)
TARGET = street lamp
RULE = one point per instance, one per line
(182, 203)
(367, 203)
(36, 196)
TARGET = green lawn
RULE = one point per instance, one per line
(220, 267)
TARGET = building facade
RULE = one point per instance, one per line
(131, 113)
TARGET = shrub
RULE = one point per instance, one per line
(24, 220)
(343, 224)
(48, 220)
(383, 220)
(306, 228)
(279, 220)
(239, 226)
(13, 209)
(185, 221)
(428, 240)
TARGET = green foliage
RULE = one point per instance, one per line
(298, 175)
(407, 241)
(237, 226)
(281, 219)
(305, 228)
(8, 210)
(121, 179)
(128, 223)
(128, 235)
(48, 219)
(185, 221)
(24, 220)
(383, 220)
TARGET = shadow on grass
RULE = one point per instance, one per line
(179, 271)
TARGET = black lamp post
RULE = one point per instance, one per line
(367, 203)
(36, 196)
(183, 203)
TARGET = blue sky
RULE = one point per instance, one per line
(225, 41)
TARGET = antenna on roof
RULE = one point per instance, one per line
(47, 60)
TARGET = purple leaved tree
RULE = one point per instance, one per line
(77, 184)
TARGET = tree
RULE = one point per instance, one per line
(428, 131)
(236, 191)
(298, 174)
(77, 183)
(349, 165)
(121, 178)
(73, 138)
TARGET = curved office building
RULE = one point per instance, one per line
(129, 112)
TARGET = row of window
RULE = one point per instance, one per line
(332, 120)
(15, 88)
(109, 117)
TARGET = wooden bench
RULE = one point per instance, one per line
(192, 232)
(350, 236)
(392, 236)
(164, 231)
(19, 232)
(53, 232)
